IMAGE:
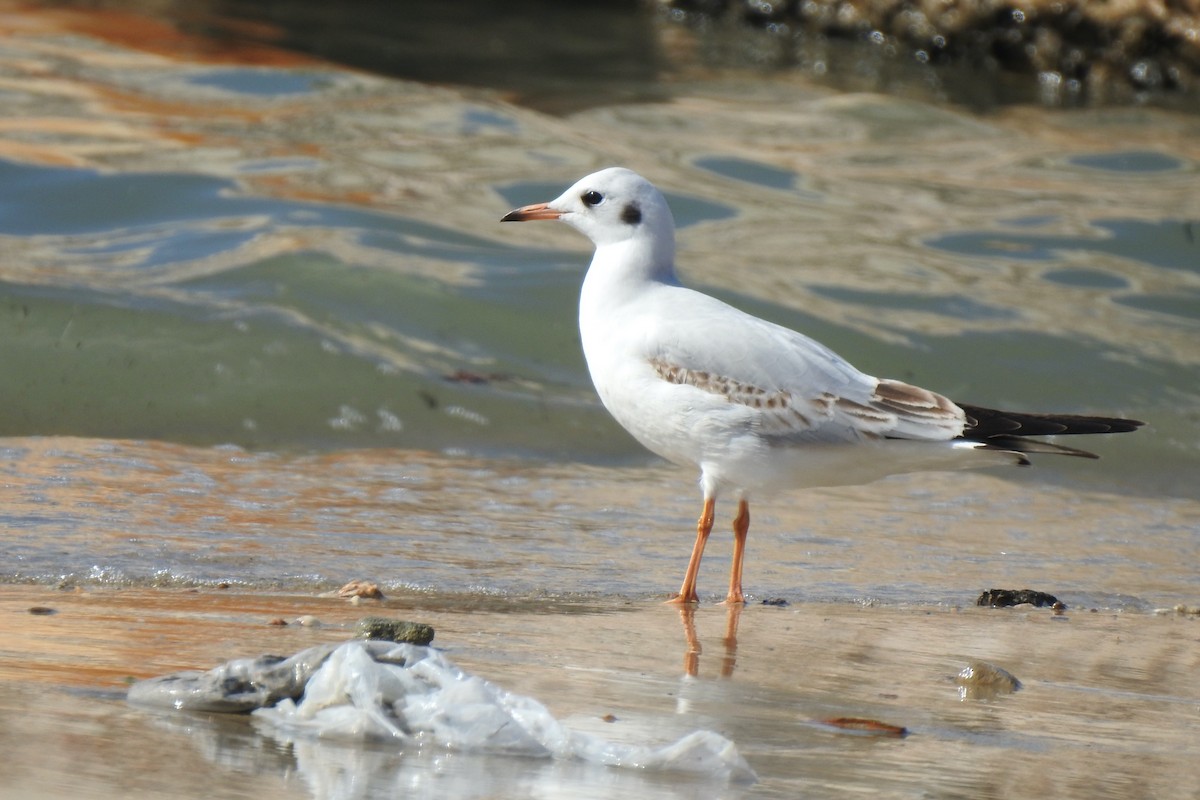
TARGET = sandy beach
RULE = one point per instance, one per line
(1107, 704)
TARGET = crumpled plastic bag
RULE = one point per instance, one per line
(414, 695)
(240, 685)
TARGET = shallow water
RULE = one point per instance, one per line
(84, 513)
(262, 330)
(1106, 706)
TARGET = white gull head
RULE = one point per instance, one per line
(624, 215)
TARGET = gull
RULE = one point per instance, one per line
(755, 406)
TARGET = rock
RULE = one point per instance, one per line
(980, 680)
(395, 630)
(1002, 598)
(1074, 51)
(356, 589)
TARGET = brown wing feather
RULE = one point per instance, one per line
(916, 411)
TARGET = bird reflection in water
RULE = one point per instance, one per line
(691, 655)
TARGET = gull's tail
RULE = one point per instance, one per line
(1007, 430)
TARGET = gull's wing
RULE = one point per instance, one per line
(791, 386)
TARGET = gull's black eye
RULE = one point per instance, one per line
(591, 198)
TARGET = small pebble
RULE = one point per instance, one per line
(980, 680)
(358, 589)
(308, 621)
(42, 610)
(1181, 610)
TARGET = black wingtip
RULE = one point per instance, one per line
(1010, 431)
(1022, 447)
(985, 423)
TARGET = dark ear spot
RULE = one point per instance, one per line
(631, 214)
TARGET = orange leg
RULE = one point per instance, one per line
(687, 593)
(741, 527)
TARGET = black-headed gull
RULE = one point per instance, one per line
(755, 406)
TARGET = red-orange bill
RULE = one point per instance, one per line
(535, 211)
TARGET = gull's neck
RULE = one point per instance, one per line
(620, 274)
(621, 268)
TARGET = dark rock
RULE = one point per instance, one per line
(1074, 51)
(395, 630)
(1002, 598)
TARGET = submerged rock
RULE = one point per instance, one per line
(980, 680)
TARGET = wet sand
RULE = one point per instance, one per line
(548, 580)
(1107, 705)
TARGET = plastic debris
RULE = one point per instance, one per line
(376, 690)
